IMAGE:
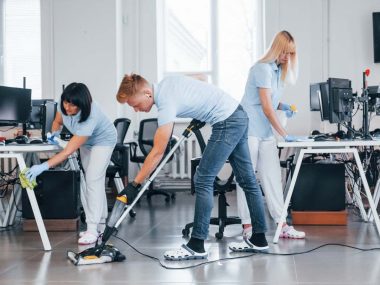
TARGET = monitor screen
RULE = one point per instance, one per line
(376, 36)
(315, 94)
(15, 104)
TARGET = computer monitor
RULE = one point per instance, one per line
(374, 99)
(15, 105)
(36, 115)
(50, 110)
(341, 101)
(315, 95)
(42, 115)
(325, 104)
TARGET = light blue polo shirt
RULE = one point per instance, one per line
(186, 97)
(98, 128)
(261, 75)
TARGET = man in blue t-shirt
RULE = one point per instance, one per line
(185, 97)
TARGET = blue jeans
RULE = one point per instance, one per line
(228, 141)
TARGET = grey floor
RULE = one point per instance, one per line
(157, 228)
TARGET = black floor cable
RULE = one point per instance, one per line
(246, 255)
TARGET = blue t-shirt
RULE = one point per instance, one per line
(261, 75)
(98, 128)
(186, 97)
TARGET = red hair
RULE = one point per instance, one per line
(129, 86)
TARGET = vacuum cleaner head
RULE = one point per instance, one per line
(96, 255)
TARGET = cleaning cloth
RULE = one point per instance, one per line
(25, 182)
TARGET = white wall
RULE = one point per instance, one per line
(351, 44)
(84, 47)
(334, 39)
(97, 41)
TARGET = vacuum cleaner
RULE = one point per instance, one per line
(103, 252)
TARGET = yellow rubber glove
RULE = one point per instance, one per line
(25, 182)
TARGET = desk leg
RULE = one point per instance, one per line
(289, 195)
(17, 191)
(376, 198)
(359, 201)
(367, 191)
(2, 210)
(35, 208)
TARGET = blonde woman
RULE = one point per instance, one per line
(262, 96)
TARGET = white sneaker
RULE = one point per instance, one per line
(247, 246)
(184, 253)
(290, 232)
(101, 228)
(88, 238)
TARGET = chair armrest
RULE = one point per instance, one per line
(120, 158)
(132, 149)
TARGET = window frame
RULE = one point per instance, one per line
(213, 73)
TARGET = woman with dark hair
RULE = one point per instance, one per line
(95, 136)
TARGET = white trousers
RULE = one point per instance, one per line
(95, 161)
(265, 161)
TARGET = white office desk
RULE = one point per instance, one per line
(342, 147)
(18, 151)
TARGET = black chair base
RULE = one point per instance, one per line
(222, 223)
(151, 192)
(222, 220)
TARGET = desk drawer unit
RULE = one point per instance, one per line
(57, 195)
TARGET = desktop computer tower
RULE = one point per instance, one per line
(57, 195)
(319, 187)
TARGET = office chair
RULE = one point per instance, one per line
(221, 187)
(117, 171)
(119, 166)
(147, 130)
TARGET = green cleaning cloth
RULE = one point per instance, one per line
(25, 182)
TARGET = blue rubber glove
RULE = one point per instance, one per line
(290, 138)
(36, 170)
(51, 136)
(288, 110)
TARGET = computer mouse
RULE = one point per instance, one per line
(35, 141)
(21, 139)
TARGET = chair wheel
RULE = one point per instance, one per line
(185, 232)
(219, 235)
(132, 214)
